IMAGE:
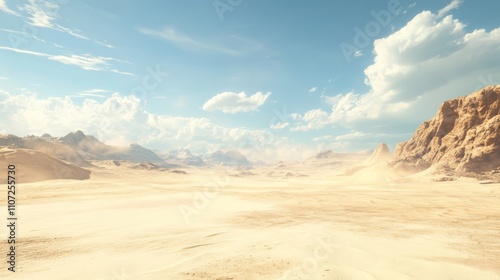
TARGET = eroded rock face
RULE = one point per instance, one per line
(464, 136)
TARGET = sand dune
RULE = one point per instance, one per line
(128, 224)
(37, 166)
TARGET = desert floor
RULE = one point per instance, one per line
(133, 224)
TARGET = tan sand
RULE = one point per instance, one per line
(33, 166)
(135, 224)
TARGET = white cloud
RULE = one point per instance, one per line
(351, 136)
(231, 102)
(118, 119)
(313, 89)
(97, 90)
(84, 95)
(4, 8)
(44, 14)
(24, 34)
(3, 78)
(358, 53)
(99, 93)
(279, 126)
(324, 138)
(452, 6)
(430, 60)
(86, 61)
(311, 120)
(41, 13)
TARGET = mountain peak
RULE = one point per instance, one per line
(381, 154)
(73, 138)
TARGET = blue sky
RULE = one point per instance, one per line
(274, 79)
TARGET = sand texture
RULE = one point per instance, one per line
(127, 223)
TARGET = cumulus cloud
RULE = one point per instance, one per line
(119, 120)
(429, 60)
(231, 102)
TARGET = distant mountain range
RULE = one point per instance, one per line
(228, 158)
(183, 157)
(81, 149)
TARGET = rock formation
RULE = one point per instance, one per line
(463, 136)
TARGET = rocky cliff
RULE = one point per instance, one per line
(463, 136)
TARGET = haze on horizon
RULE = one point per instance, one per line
(273, 80)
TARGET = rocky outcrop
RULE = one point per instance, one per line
(463, 136)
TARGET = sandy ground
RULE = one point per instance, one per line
(132, 224)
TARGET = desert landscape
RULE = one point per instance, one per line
(249, 140)
(431, 210)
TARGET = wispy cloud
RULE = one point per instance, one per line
(39, 13)
(43, 14)
(313, 89)
(99, 93)
(85, 95)
(97, 90)
(186, 42)
(453, 5)
(24, 34)
(4, 8)
(3, 78)
(85, 61)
